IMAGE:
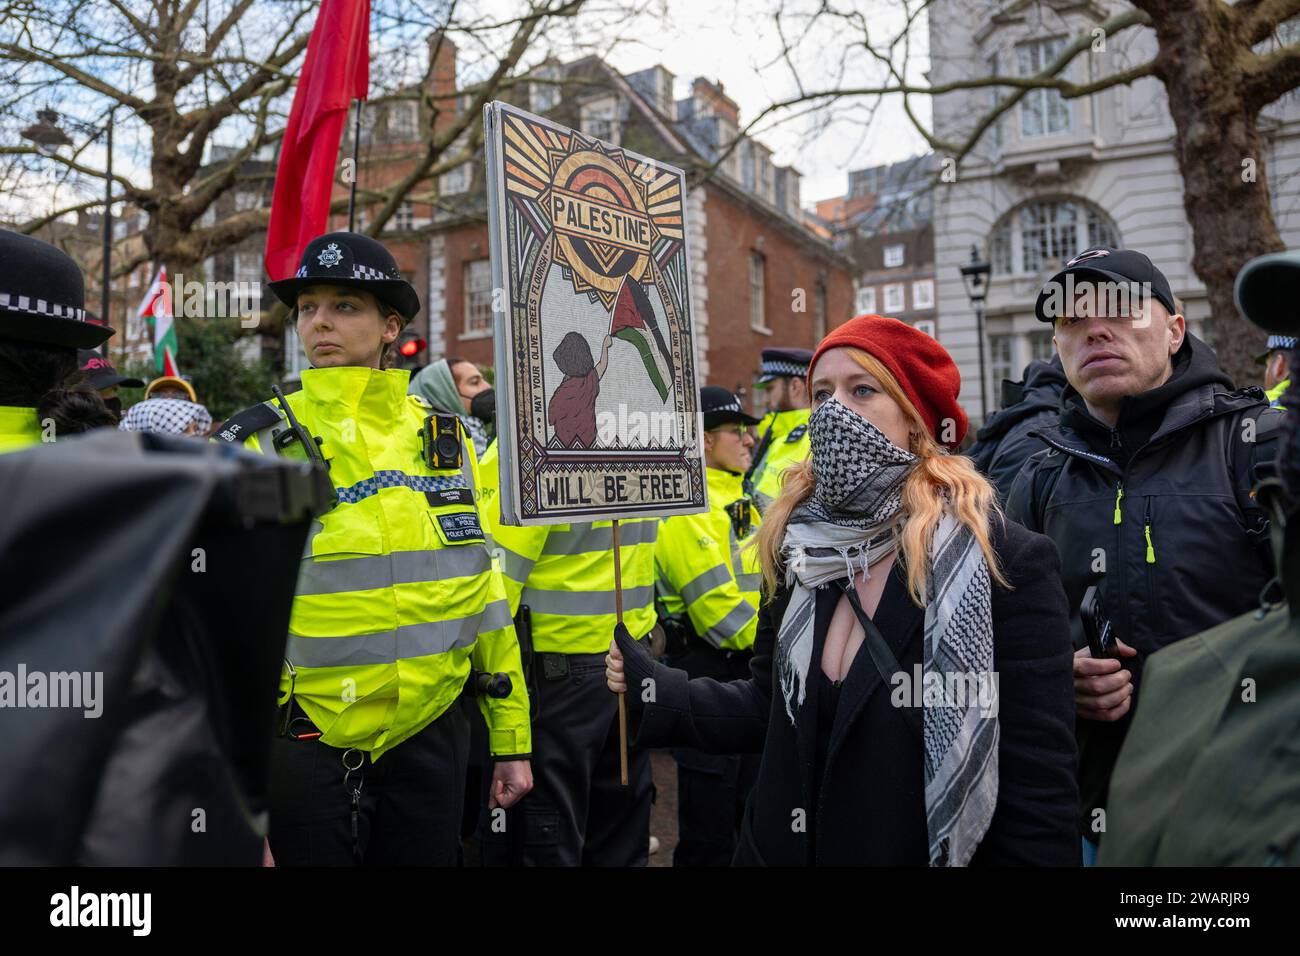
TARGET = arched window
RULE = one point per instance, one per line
(1047, 232)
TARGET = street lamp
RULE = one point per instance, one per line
(975, 276)
(48, 137)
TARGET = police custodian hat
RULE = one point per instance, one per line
(721, 407)
(355, 261)
(784, 363)
(43, 295)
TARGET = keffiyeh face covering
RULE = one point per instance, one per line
(852, 520)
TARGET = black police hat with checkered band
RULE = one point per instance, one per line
(43, 295)
(355, 261)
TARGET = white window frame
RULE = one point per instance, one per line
(890, 292)
(926, 326)
(866, 300)
(404, 218)
(472, 293)
(1043, 112)
(922, 295)
(403, 121)
(894, 255)
(757, 293)
(1036, 233)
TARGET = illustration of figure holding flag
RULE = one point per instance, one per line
(572, 410)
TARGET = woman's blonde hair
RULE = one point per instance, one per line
(971, 498)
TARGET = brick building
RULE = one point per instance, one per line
(760, 275)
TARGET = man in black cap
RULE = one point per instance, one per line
(42, 324)
(783, 431)
(399, 605)
(1145, 489)
(709, 589)
(98, 373)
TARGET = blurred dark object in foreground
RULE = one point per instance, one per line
(167, 567)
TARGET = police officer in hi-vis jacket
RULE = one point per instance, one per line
(398, 609)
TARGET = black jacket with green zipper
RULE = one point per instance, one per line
(1157, 513)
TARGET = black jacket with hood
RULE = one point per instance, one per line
(1004, 444)
(1157, 513)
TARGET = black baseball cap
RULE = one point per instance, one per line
(1124, 266)
(722, 407)
(98, 372)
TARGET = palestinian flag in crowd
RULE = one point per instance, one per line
(156, 309)
(634, 321)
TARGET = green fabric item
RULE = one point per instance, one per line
(437, 386)
(1209, 774)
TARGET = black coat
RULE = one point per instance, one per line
(1189, 549)
(1006, 441)
(871, 799)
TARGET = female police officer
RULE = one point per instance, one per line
(397, 598)
(42, 324)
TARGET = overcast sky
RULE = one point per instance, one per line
(736, 42)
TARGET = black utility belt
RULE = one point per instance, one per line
(551, 665)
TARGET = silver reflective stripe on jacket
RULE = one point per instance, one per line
(370, 572)
(584, 538)
(585, 602)
(702, 584)
(730, 625)
(407, 641)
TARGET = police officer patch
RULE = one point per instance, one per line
(461, 526)
(795, 434)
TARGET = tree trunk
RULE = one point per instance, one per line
(1221, 156)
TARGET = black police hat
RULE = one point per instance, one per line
(1125, 266)
(98, 372)
(784, 363)
(1267, 290)
(43, 295)
(353, 260)
(721, 407)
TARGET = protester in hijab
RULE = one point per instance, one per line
(948, 738)
(455, 386)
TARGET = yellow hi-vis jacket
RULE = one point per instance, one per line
(397, 594)
(565, 574)
(707, 573)
(782, 442)
(18, 428)
(1275, 393)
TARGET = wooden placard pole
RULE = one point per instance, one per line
(622, 700)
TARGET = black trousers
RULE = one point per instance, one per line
(577, 814)
(711, 788)
(408, 812)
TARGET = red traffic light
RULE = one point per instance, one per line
(412, 347)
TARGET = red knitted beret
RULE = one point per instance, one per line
(923, 368)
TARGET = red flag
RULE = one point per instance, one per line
(336, 71)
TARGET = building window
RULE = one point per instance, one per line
(1001, 348)
(757, 317)
(995, 95)
(926, 326)
(248, 267)
(405, 216)
(893, 256)
(600, 118)
(458, 179)
(819, 312)
(478, 298)
(866, 300)
(403, 122)
(894, 298)
(1044, 234)
(923, 294)
(543, 96)
(1042, 112)
(246, 200)
(1040, 346)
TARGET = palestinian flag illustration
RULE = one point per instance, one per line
(634, 321)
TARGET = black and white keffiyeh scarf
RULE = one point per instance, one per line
(854, 518)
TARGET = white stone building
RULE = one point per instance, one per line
(1055, 176)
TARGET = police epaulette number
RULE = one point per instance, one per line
(795, 434)
(244, 423)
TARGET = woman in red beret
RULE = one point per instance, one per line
(911, 688)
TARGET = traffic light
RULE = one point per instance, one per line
(411, 350)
